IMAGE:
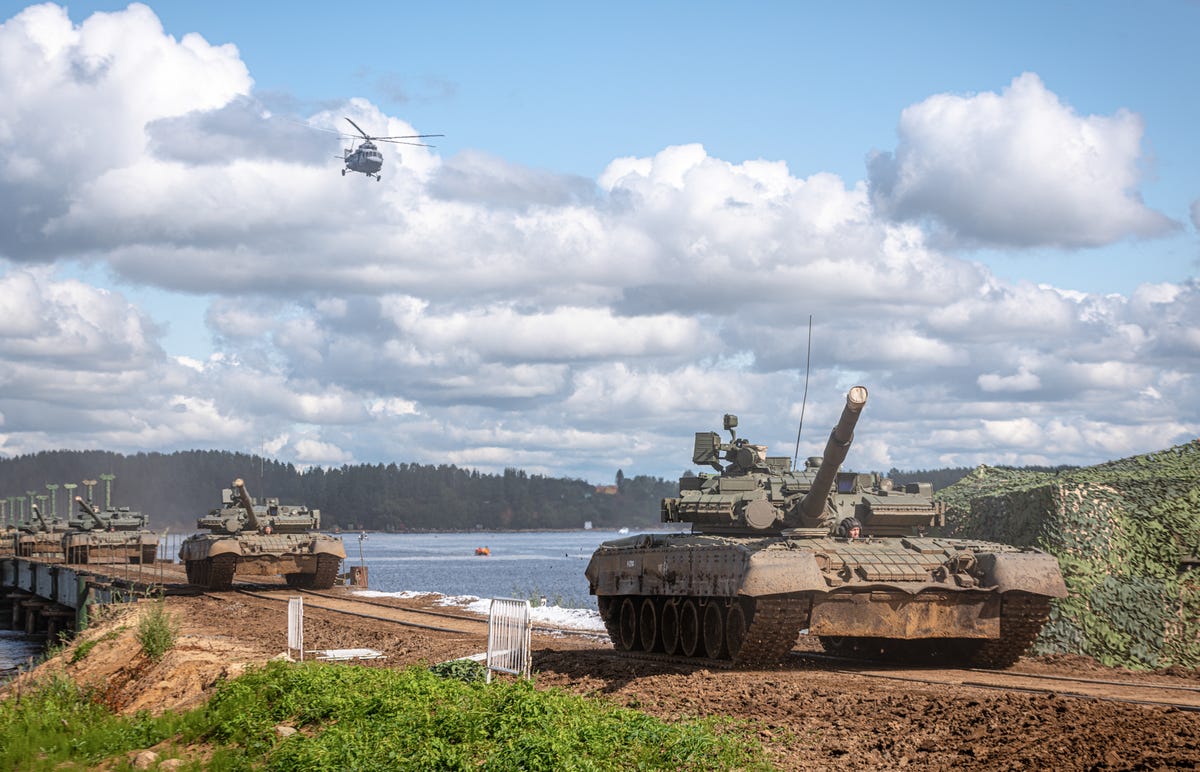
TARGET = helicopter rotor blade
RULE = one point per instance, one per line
(402, 142)
(360, 131)
(410, 136)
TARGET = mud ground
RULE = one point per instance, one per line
(808, 716)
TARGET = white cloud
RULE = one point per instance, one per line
(1019, 168)
(98, 85)
(1022, 380)
(476, 311)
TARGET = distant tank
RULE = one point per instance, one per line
(8, 538)
(775, 551)
(112, 535)
(263, 540)
(39, 537)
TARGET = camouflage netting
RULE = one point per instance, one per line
(1127, 536)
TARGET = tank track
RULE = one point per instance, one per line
(1021, 619)
(773, 629)
(610, 614)
(322, 579)
(220, 571)
(770, 635)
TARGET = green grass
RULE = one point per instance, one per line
(356, 718)
(57, 725)
(85, 648)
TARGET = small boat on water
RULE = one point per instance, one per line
(482, 551)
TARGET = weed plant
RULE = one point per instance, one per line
(156, 631)
(463, 669)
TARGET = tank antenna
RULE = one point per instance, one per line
(804, 400)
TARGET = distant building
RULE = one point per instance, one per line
(607, 490)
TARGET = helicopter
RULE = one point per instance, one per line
(366, 158)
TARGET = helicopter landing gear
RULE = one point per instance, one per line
(343, 172)
(379, 178)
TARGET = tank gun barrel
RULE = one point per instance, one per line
(239, 485)
(836, 448)
(90, 510)
(36, 516)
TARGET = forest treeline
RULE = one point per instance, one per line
(177, 488)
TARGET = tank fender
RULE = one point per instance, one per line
(333, 547)
(775, 571)
(202, 549)
(1032, 571)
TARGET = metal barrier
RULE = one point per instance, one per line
(509, 626)
(168, 546)
(296, 639)
(296, 626)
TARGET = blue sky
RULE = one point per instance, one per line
(568, 251)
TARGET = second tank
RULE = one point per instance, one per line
(267, 539)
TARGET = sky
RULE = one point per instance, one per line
(989, 213)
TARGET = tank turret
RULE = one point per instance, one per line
(111, 535)
(758, 493)
(37, 522)
(91, 516)
(39, 537)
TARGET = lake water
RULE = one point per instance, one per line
(527, 565)
(15, 650)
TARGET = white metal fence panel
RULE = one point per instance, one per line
(296, 626)
(509, 626)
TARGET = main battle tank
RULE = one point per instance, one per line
(264, 540)
(112, 535)
(39, 537)
(774, 551)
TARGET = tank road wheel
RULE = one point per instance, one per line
(689, 628)
(736, 623)
(628, 625)
(669, 622)
(648, 626)
(714, 630)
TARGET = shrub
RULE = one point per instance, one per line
(156, 631)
